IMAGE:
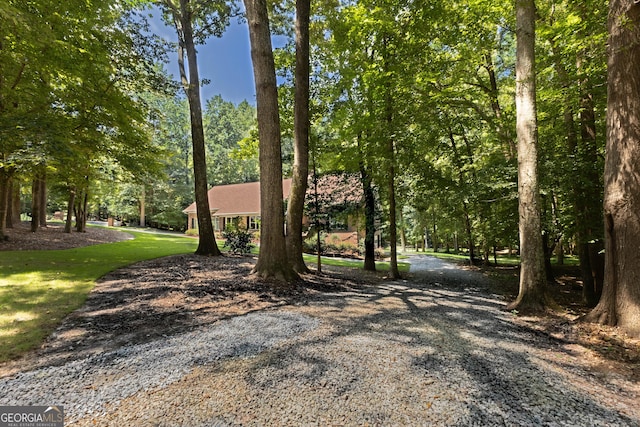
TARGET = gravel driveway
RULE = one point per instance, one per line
(437, 350)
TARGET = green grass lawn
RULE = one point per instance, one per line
(39, 288)
(355, 263)
(502, 259)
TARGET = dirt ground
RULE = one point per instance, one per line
(170, 295)
(53, 237)
(610, 348)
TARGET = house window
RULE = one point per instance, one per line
(193, 223)
(230, 221)
(254, 223)
(217, 226)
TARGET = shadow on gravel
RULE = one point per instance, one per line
(499, 373)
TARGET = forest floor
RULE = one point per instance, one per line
(611, 348)
(134, 314)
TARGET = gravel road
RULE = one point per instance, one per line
(437, 350)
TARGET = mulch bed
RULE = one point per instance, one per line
(52, 237)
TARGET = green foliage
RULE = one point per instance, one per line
(230, 143)
(238, 240)
(69, 89)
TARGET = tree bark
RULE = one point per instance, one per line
(589, 188)
(5, 177)
(14, 204)
(206, 238)
(35, 204)
(369, 219)
(394, 273)
(620, 301)
(9, 207)
(70, 205)
(272, 261)
(81, 211)
(42, 182)
(462, 185)
(531, 295)
(295, 208)
(143, 205)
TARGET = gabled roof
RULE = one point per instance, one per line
(237, 199)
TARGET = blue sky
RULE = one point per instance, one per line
(225, 61)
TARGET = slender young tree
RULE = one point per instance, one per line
(532, 274)
(295, 207)
(620, 302)
(394, 272)
(272, 261)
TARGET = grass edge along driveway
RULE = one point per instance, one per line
(39, 288)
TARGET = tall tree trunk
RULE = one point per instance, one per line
(369, 217)
(272, 261)
(9, 204)
(620, 301)
(462, 185)
(295, 208)
(35, 204)
(403, 234)
(5, 178)
(42, 182)
(70, 205)
(81, 210)
(206, 241)
(579, 201)
(394, 273)
(14, 204)
(589, 187)
(531, 293)
(143, 206)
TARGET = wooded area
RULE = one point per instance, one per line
(474, 126)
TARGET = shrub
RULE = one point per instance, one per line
(238, 240)
(191, 232)
(310, 245)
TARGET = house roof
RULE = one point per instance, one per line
(237, 199)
